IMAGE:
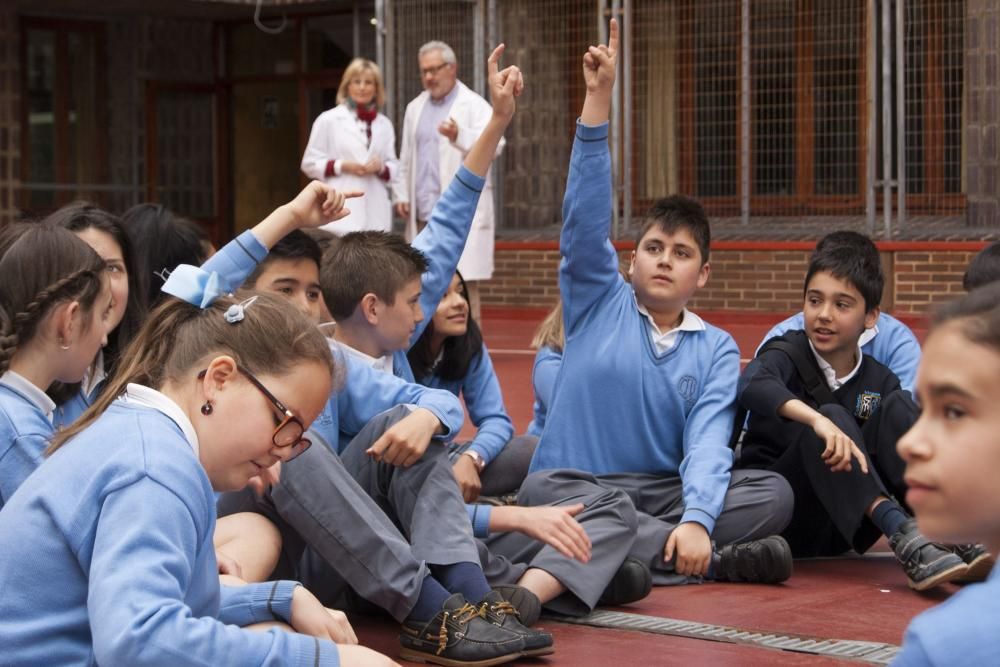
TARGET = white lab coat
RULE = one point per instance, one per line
(471, 112)
(337, 135)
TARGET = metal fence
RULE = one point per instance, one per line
(763, 109)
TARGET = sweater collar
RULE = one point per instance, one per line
(23, 386)
(147, 397)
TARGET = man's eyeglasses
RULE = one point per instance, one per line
(431, 71)
(288, 432)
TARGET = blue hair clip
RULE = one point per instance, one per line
(195, 285)
(236, 312)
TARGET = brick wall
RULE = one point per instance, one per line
(748, 278)
(10, 114)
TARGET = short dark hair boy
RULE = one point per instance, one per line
(816, 402)
(368, 263)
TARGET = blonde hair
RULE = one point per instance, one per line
(272, 339)
(550, 332)
(357, 66)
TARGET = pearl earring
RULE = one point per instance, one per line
(206, 409)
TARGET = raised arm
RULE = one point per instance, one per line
(443, 239)
(316, 205)
(589, 266)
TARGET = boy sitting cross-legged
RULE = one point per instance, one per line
(816, 402)
(645, 398)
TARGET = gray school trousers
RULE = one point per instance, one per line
(350, 520)
(609, 519)
(757, 504)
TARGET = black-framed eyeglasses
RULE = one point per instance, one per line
(289, 431)
(433, 69)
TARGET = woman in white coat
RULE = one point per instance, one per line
(353, 147)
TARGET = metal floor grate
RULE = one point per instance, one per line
(870, 652)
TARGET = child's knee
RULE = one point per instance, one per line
(840, 416)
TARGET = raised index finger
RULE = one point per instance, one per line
(492, 65)
(613, 35)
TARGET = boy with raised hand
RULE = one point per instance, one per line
(888, 340)
(645, 396)
(383, 325)
(343, 522)
(816, 402)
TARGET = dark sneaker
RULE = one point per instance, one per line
(502, 613)
(631, 582)
(765, 561)
(926, 564)
(978, 561)
(458, 636)
(527, 604)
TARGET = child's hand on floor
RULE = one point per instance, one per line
(319, 204)
(310, 617)
(691, 547)
(839, 447)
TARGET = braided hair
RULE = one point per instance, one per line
(40, 267)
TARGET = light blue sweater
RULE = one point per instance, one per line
(543, 379)
(24, 434)
(964, 630)
(893, 345)
(481, 391)
(234, 262)
(107, 558)
(618, 406)
(442, 241)
(367, 392)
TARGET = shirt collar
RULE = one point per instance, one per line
(689, 322)
(867, 336)
(378, 363)
(829, 374)
(94, 376)
(147, 397)
(23, 386)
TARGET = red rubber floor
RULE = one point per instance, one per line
(862, 598)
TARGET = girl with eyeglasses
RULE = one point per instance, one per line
(107, 552)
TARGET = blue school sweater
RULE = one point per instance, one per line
(964, 630)
(618, 405)
(442, 242)
(543, 379)
(234, 262)
(107, 558)
(366, 392)
(481, 391)
(24, 434)
(893, 345)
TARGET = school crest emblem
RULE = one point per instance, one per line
(687, 387)
(866, 405)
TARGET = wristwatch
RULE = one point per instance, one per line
(476, 458)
